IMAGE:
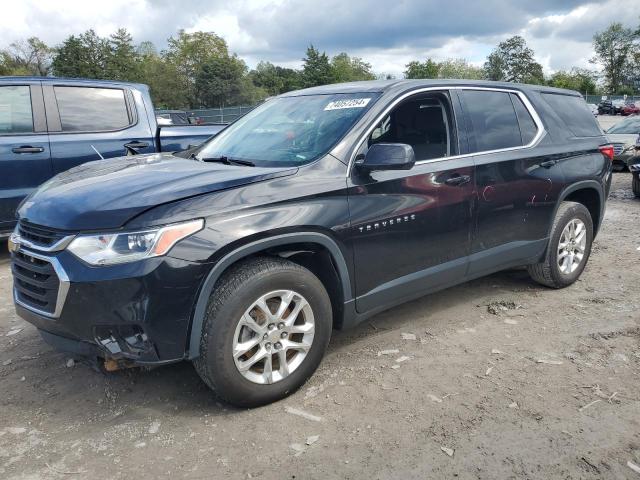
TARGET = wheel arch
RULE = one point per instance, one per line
(289, 245)
(590, 194)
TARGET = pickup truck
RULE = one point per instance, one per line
(49, 125)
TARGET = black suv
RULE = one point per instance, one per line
(314, 211)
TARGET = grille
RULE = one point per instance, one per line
(41, 236)
(617, 148)
(35, 282)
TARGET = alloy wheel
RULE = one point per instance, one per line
(572, 246)
(273, 337)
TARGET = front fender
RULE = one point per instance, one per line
(193, 350)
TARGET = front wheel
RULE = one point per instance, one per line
(635, 184)
(569, 247)
(266, 328)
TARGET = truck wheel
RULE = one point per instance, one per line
(635, 184)
(266, 328)
(569, 247)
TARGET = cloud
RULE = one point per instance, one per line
(388, 35)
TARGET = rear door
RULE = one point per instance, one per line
(86, 122)
(411, 229)
(517, 184)
(25, 160)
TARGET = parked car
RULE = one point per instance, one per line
(630, 109)
(176, 117)
(48, 125)
(605, 107)
(618, 106)
(315, 211)
(623, 137)
(634, 167)
(594, 109)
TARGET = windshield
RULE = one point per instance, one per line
(628, 125)
(289, 131)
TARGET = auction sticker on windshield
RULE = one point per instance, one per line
(351, 103)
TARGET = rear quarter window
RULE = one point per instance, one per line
(575, 114)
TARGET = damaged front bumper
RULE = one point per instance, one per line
(136, 313)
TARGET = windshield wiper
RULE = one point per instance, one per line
(227, 161)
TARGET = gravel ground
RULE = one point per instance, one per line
(497, 378)
(608, 121)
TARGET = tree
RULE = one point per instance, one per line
(220, 82)
(614, 48)
(189, 52)
(84, 55)
(167, 86)
(350, 69)
(581, 80)
(427, 69)
(316, 69)
(275, 80)
(513, 61)
(26, 57)
(459, 68)
(122, 62)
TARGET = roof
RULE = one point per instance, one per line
(381, 86)
(67, 80)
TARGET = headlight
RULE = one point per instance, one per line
(123, 247)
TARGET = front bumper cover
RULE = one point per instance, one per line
(140, 311)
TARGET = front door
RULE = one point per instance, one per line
(411, 229)
(25, 160)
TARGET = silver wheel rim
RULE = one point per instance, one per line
(573, 243)
(273, 337)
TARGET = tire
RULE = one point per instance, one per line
(635, 184)
(552, 271)
(235, 294)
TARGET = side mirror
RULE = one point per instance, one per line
(387, 156)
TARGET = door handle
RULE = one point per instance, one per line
(458, 180)
(548, 163)
(136, 144)
(27, 149)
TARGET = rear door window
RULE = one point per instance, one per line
(574, 113)
(16, 116)
(493, 118)
(87, 109)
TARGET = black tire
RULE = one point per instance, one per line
(234, 293)
(635, 184)
(548, 272)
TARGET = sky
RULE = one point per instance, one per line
(386, 34)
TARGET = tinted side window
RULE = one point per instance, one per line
(423, 122)
(494, 121)
(15, 110)
(574, 113)
(528, 128)
(85, 109)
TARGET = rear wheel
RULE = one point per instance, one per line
(267, 326)
(635, 184)
(569, 247)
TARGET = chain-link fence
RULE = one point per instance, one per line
(596, 99)
(220, 115)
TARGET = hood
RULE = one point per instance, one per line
(105, 194)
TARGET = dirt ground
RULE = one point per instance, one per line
(503, 379)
